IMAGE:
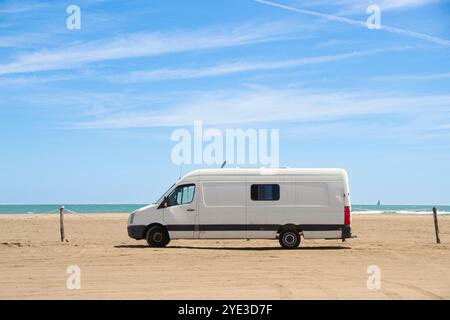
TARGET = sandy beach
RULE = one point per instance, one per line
(34, 262)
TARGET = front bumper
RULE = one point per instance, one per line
(136, 232)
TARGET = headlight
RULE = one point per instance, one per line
(131, 218)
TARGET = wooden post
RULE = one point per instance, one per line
(436, 226)
(61, 222)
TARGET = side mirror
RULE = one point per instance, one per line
(163, 203)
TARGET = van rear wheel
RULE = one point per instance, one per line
(289, 239)
(157, 237)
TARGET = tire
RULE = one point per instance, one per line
(289, 239)
(157, 237)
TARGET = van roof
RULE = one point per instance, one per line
(267, 171)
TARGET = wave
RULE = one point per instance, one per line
(418, 212)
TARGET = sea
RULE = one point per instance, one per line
(128, 208)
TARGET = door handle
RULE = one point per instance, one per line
(190, 209)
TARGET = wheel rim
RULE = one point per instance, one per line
(289, 239)
(157, 237)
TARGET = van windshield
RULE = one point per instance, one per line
(164, 194)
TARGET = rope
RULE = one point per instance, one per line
(84, 215)
(65, 210)
(46, 213)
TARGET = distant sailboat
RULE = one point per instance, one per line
(378, 203)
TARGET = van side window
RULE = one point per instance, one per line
(265, 192)
(183, 194)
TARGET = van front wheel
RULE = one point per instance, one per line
(289, 239)
(157, 237)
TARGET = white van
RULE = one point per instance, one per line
(249, 204)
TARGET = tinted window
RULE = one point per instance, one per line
(265, 192)
(181, 195)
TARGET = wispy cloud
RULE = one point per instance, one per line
(265, 105)
(237, 67)
(144, 44)
(373, 129)
(361, 24)
(345, 7)
(414, 77)
(387, 5)
(335, 42)
(23, 40)
(22, 6)
(31, 80)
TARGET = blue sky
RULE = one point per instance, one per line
(86, 115)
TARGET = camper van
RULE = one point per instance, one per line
(285, 204)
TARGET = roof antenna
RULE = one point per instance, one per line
(181, 170)
(223, 164)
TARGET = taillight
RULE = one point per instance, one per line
(347, 216)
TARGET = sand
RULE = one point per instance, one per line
(33, 263)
